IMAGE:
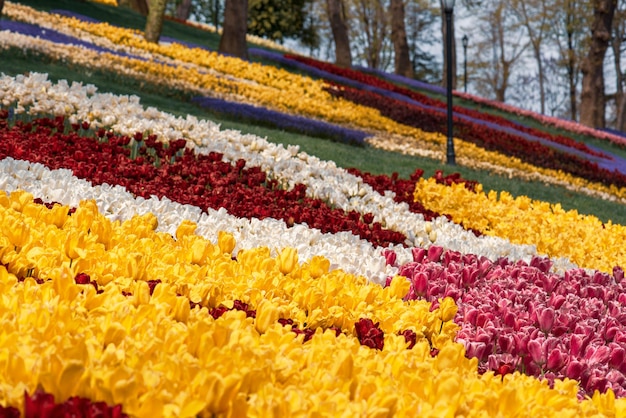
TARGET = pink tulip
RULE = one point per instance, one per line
(536, 351)
(556, 360)
(506, 343)
(390, 257)
(470, 315)
(616, 358)
(574, 369)
(556, 301)
(475, 350)
(546, 319)
(434, 253)
(418, 254)
(597, 354)
(420, 283)
(510, 320)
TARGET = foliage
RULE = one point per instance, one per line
(280, 19)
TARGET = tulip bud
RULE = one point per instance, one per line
(185, 228)
(535, 350)
(18, 232)
(546, 320)
(390, 257)
(141, 293)
(399, 287)
(420, 283)
(447, 309)
(574, 369)
(318, 266)
(475, 349)
(226, 242)
(182, 309)
(434, 253)
(616, 358)
(266, 315)
(114, 334)
(287, 260)
(556, 360)
(418, 254)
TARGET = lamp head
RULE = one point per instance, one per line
(465, 40)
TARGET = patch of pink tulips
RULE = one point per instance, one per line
(520, 316)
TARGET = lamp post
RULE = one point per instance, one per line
(448, 8)
(465, 41)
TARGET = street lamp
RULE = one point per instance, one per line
(465, 41)
(448, 8)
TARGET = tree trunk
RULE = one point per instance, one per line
(140, 6)
(233, 40)
(402, 57)
(183, 10)
(336, 16)
(620, 97)
(154, 21)
(592, 98)
(1, 6)
(444, 32)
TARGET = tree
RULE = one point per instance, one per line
(422, 21)
(233, 39)
(337, 18)
(183, 10)
(618, 47)
(371, 33)
(205, 11)
(154, 20)
(140, 6)
(1, 6)
(402, 58)
(280, 19)
(569, 24)
(592, 97)
(534, 16)
(499, 48)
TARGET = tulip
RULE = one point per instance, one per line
(434, 253)
(226, 242)
(546, 320)
(287, 260)
(420, 283)
(574, 369)
(266, 315)
(447, 309)
(537, 352)
(556, 360)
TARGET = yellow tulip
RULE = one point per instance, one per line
(266, 315)
(226, 242)
(185, 228)
(447, 309)
(287, 260)
(318, 266)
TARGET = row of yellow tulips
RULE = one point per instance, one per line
(584, 239)
(156, 356)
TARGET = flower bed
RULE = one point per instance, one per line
(301, 332)
(200, 73)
